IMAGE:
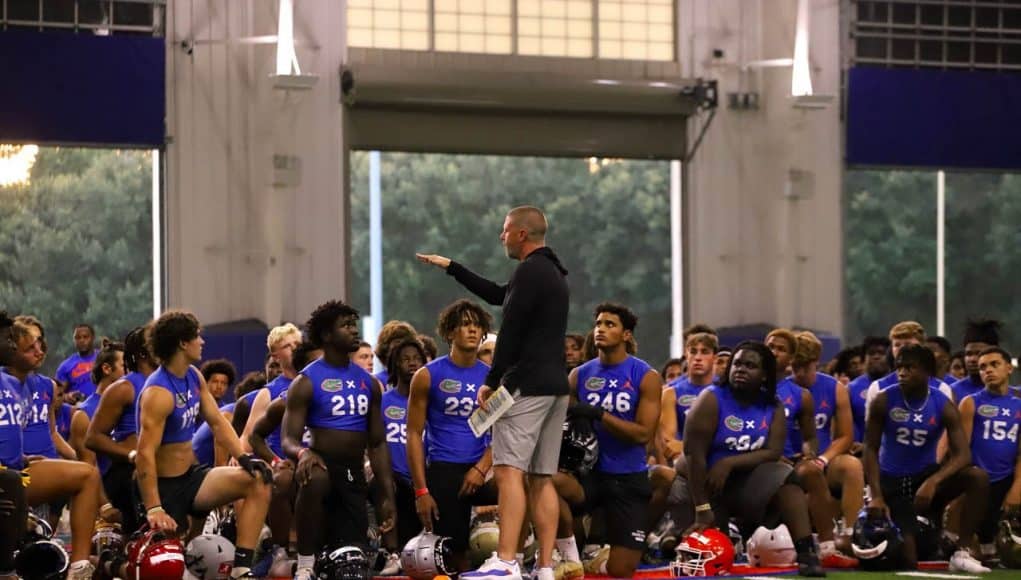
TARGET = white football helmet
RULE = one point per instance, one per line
(209, 557)
(771, 548)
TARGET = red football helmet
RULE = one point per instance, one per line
(154, 555)
(706, 553)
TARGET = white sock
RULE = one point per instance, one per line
(306, 561)
(569, 549)
(828, 547)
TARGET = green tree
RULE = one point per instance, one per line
(77, 243)
(609, 226)
(890, 245)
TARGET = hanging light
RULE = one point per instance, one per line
(16, 163)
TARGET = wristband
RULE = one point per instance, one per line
(131, 456)
(155, 509)
(106, 506)
(703, 508)
(476, 468)
(421, 491)
(822, 462)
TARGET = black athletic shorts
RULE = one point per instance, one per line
(444, 481)
(177, 496)
(408, 524)
(118, 483)
(747, 495)
(348, 520)
(997, 493)
(899, 495)
(624, 498)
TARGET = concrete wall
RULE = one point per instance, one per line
(754, 253)
(239, 247)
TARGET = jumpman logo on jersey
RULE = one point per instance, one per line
(917, 418)
(824, 405)
(1017, 415)
(932, 420)
(764, 425)
(469, 388)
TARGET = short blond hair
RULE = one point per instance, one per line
(809, 349)
(787, 335)
(705, 339)
(281, 333)
(908, 329)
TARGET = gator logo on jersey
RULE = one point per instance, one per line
(396, 413)
(332, 385)
(450, 386)
(595, 383)
(686, 400)
(989, 411)
(900, 415)
(734, 423)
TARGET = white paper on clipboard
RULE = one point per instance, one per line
(498, 403)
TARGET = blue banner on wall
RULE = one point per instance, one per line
(934, 118)
(83, 89)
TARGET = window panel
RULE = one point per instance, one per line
(641, 26)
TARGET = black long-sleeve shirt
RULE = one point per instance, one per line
(530, 345)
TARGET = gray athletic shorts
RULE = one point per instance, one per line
(528, 435)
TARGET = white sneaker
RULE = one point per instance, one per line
(393, 565)
(963, 561)
(495, 569)
(304, 574)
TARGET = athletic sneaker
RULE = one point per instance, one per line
(569, 571)
(495, 569)
(963, 561)
(393, 565)
(304, 574)
(597, 564)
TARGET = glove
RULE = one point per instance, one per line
(256, 467)
(583, 411)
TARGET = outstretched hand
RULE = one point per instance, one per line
(441, 262)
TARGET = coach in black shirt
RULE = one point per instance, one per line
(529, 361)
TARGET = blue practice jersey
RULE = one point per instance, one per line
(824, 395)
(395, 421)
(89, 406)
(686, 395)
(994, 433)
(616, 389)
(76, 371)
(910, 432)
(180, 425)
(38, 440)
(452, 399)
(964, 388)
(858, 394)
(739, 428)
(12, 417)
(341, 396)
(791, 395)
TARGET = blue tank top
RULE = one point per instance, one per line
(203, 443)
(64, 420)
(824, 395)
(180, 425)
(994, 433)
(739, 428)
(686, 395)
(910, 433)
(89, 406)
(12, 417)
(395, 421)
(38, 440)
(277, 390)
(857, 393)
(452, 399)
(340, 396)
(616, 389)
(127, 425)
(790, 394)
(964, 388)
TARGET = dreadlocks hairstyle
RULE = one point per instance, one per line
(984, 330)
(917, 354)
(457, 313)
(107, 356)
(324, 317)
(169, 331)
(394, 361)
(135, 348)
(768, 388)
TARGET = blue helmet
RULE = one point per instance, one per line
(876, 541)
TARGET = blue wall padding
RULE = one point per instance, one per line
(934, 118)
(83, 89)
